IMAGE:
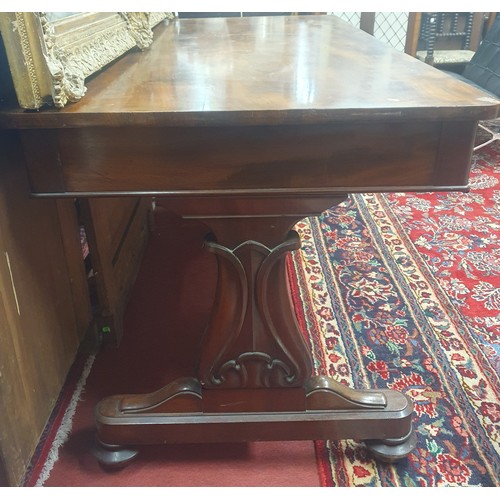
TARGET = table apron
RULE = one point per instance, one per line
(258, 160)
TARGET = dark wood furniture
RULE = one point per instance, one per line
(117, 231)
(44, 308)
(251, 124)
(46, 314)
(448, 40)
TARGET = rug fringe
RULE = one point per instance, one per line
(64, 430)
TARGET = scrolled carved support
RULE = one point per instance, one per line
(253, 340)
(255, 369)
(326, 394)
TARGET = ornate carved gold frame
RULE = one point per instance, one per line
(50, 61)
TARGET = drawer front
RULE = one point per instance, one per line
(217, 160)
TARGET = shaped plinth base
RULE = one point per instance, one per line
(175, 414)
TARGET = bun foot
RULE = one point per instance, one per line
(394, 449)
(113, 456)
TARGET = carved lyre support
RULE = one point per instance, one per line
(255, 339)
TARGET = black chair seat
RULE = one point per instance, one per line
(483, 72)
(484, 67)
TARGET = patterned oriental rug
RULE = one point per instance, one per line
(403, 291)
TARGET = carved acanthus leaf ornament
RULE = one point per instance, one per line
(71, 64)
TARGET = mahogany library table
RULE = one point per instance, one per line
(251, 124)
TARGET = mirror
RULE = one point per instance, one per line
(51, 54)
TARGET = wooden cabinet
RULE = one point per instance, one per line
(46, 305)
(43, 309)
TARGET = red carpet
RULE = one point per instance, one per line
(403, 291)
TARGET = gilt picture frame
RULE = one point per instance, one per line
(51, 56)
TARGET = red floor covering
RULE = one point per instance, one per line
(163, 324)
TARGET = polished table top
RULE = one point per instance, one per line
(264, 70)
(260, 105)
